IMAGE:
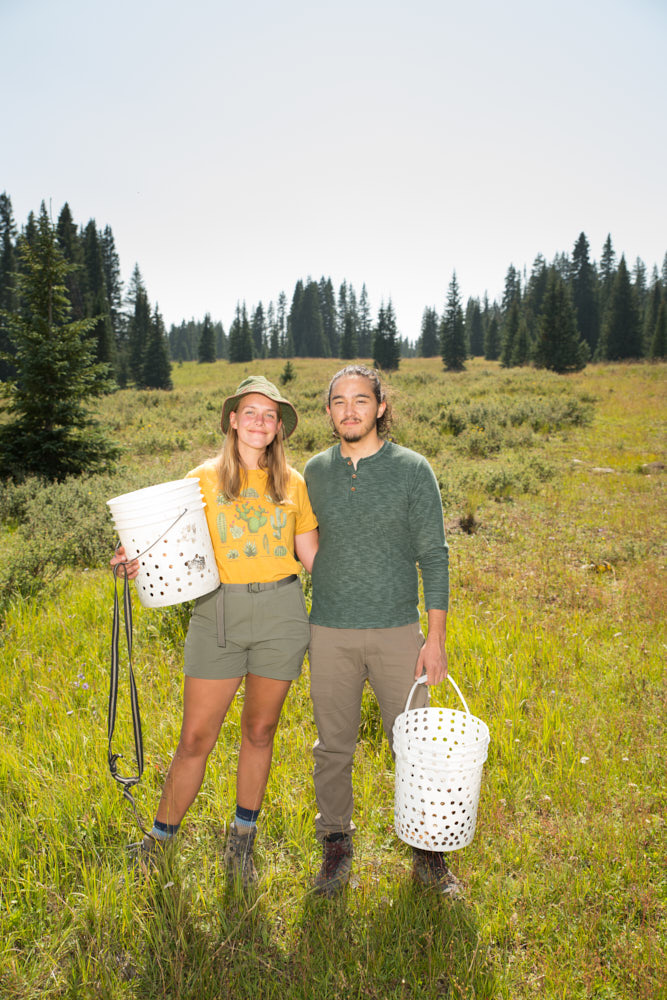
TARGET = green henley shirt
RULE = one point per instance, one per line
(377, 523)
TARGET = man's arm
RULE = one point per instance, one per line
(432, 658)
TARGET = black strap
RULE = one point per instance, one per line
(126, 782)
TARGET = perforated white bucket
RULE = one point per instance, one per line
(171, 540)
(440, 755)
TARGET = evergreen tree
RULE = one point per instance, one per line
(221, 349)
(621, 331)
(8, 295)
(341, 311)
(295, 330)
(452, 330)
(651, 315)
(112, 280)
(386, 346)
(365, 334)
(313, 345)
(157, 366)
(428, 344)
(286, 345)
(658, 347)
(327, 300)
(510, 335)
(607, 274)
(512, 290)
(206, 351)
(639, 283)
(240, 337)
(474, 329)
(258, 328)
(138, 327)
(71, 245)
(50, 432)
(274, 331)
(521, 352)
(584, 293)
(96, 297)
(559, 346)
(348, 343)
(492, 339)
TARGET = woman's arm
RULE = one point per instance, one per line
(305, 547)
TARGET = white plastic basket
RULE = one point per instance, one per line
(440, 755)
(166, 529)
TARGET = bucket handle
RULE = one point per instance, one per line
(422, 680)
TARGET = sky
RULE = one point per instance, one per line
(234, 148)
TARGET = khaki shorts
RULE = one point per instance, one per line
(265, 633)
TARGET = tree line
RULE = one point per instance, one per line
(559, 316)
(68, 333)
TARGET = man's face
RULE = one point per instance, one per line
(353, 408)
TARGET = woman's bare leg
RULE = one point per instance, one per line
(263, 702)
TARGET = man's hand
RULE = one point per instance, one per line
(432, 658)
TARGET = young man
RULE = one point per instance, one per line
(380, 514)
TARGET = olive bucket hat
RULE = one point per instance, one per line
(257, 383)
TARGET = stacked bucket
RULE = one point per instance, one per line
(440, 755)
(165, 527)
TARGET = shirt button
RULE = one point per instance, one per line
(354, 475)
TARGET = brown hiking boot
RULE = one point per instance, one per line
(149, 853)
(238, 856)
(336, 864)
(430, 868)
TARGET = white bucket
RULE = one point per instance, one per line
(171, 540)
(440, 754)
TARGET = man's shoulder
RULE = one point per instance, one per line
(322, 460)
(406, 456)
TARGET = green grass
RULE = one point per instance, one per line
(556, 636)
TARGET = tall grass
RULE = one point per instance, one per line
(556, 636)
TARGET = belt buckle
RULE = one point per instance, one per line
(254, 588)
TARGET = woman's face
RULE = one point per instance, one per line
(256, 421)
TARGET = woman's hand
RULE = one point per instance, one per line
(129, 569)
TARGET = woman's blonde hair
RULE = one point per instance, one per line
(232, 474)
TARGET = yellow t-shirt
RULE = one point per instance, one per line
(253, 538)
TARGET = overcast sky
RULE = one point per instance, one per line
(234, 148)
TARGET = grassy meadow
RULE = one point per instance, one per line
(554, 501)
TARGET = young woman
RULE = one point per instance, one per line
(255, 626)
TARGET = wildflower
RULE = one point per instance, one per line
(584, 760)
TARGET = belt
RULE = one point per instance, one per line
(240, 588)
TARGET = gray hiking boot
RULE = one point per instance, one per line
(430, 868)
(238, 858)
(336, 864)
(149, 853)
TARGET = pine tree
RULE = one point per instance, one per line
(240, 337)
(138, 328)
(607, 274)
(50, 432)
(71, 244)
(429, 341)
(621, 331)
(510, 335)
(521, 352)
(512, 291)
(659, 342)
(258, 329)
(386, 346)
(348, 343)
(312, 327)
(327, 301)
(452, 330)
(206, 351)
(295, 331)
(474, 329)
(651, 315)
(8, 295)
(96, 296)
(365, 325)
(584, 294)
(492, 339)
(274, 332)
(157, 367)
(559, 346)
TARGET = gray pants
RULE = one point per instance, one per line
(341, 661)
